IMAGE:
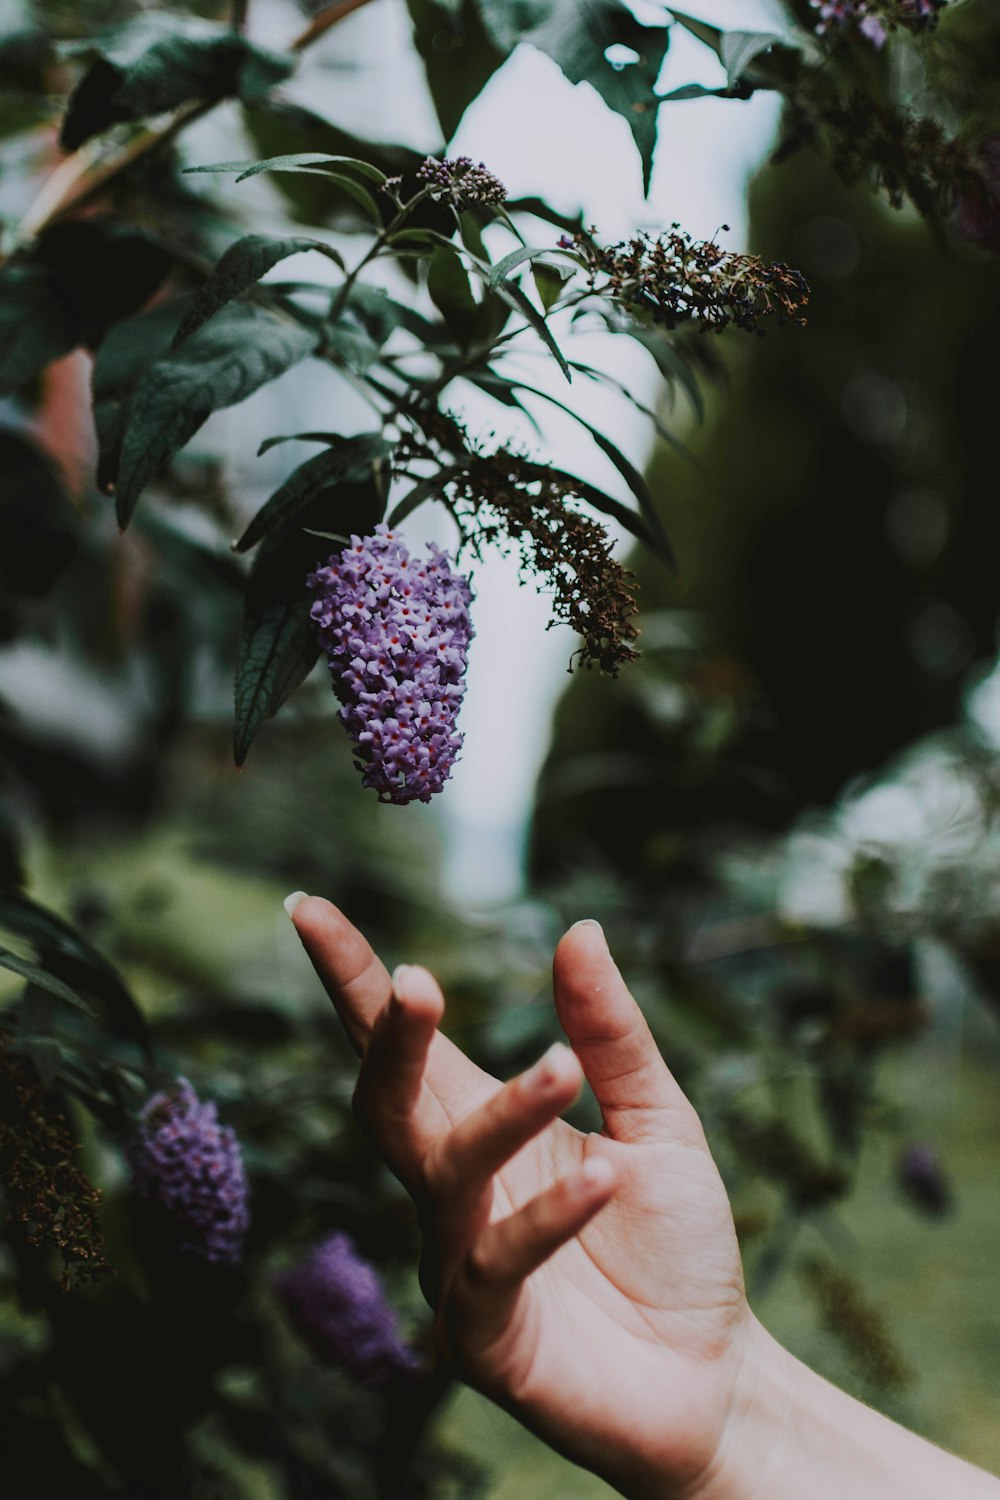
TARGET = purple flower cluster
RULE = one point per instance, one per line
(183, 1159)
(875, 18)
(336, 1301)
(461, 181)
(397, 632)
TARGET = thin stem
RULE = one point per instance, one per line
(238, 14)
(377, 244)
(323, 20)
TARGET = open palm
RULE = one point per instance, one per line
(590, 1283)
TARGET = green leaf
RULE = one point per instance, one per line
(502, 269)
(711, 36)
(297, 437)
(739, 48)
(451, 292)
(603, 378)
(694, 91)
(513, 294)
(630, 520)
(278, 647)
(669, 363)
(549, 282)
(281, 128)
(36, 975)
(424, 489)
(239, 350)
(301, 163)
(122, 358)
(292, 160)
(241, 267)
(655, 532)
(458, 52)
(158, 63)
(577, 35)
(344, 459)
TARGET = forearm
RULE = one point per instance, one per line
(793, 1434)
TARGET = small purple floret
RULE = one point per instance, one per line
(396, 631)
(183, 1159)
(336, 1302)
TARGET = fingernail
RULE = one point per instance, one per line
(397, 975)
(590, 922)
(292, 901)
(549, 1067)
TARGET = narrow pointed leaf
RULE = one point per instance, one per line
(240, 268)
(346, 459)
(36, 975)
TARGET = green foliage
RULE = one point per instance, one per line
(578, 37)
(158, 63)
(239, 350)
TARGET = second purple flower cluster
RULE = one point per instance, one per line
(396, 630)
(183, 1159)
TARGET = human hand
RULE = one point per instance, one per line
(589, 1283)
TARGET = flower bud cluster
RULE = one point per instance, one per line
(874, 19)
(184, 1160)
(396, 631)
(335, 1300)
(461, 181)
(671, 278)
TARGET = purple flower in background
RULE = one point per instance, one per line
(874, 19)
(183, 1159)
(922, 1178)
(336, 1301)
(397, 632)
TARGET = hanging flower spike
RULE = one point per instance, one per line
(335, 1300)
(183, 1159)
(396, 631)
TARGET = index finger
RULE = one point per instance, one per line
(360, 987)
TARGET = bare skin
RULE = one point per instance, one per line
(592, 1284)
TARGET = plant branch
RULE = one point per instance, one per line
(77, 181)
(323, 20)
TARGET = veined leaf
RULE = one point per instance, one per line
(451, 292)
(241, 267)
(122, 357)
(344, 459)
(240, 349)
(549, 282)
